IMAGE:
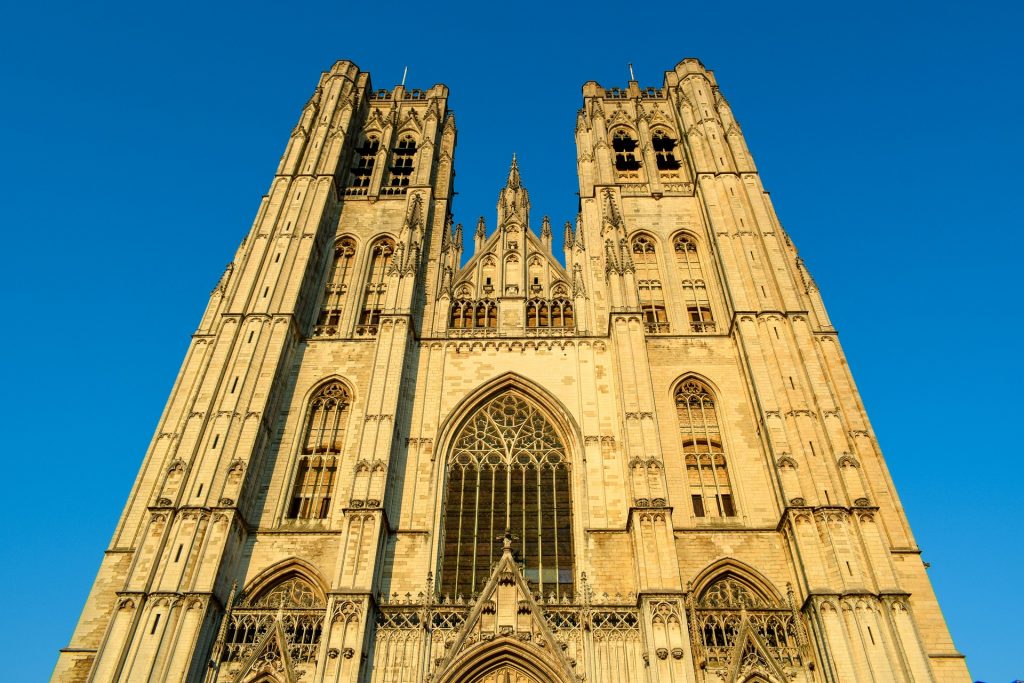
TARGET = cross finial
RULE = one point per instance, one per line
(631, 76)
(405, 73)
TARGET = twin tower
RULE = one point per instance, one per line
(387, 461)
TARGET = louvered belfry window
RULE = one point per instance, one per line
(508, 470)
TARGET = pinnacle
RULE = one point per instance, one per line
(513, 174)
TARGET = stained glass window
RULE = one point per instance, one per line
(508, 470)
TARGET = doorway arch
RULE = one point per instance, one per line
(504, 660)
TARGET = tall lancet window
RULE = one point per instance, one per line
(338, 281)
(381, 254)
(508, 470)
(648, 283)
(322, 442)
(695, 288)
(706, 472)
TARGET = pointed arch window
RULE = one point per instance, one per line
(293, 602)
(322, 442)
(473, 314)
(554, 313)
(338, 281)
(461, 314)
(664, 152)
(695, 289)
(625, 147)
(362, 168)
(707, 475)
(730, 607)
(381, 254)
(562, 314)
(507, 470)
(402, 161)
(648, 283)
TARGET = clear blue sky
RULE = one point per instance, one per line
(139, 137)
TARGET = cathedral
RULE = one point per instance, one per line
(385, 460)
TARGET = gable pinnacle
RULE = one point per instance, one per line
(513, 174)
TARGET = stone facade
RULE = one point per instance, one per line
(648, 464)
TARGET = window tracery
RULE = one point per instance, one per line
(296, 604)
(338, 281)
(323, 440)
(381, 254)
(649, 291)
(290, 593)
(695, 290)
(508, 470)
(731, 593)
(706, 472)
(730, 603)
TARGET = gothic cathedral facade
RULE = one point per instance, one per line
(387, 462)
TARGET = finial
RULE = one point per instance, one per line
(545, 228)
(506, 540)
(481, 227)
(631, 76)
(404, 74)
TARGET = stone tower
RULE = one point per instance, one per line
(384, 461)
